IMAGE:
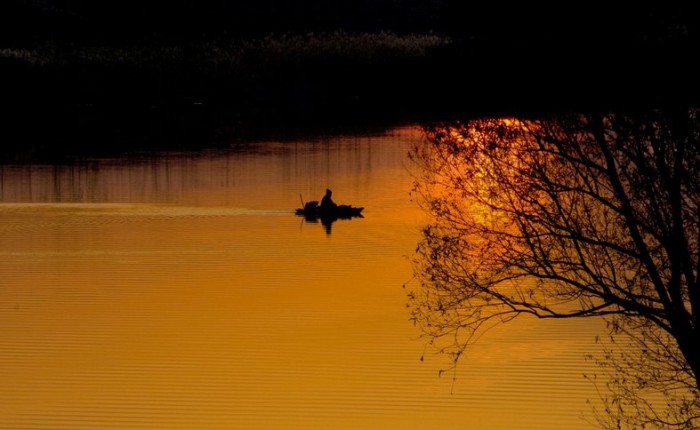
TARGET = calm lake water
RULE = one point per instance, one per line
(180, 291)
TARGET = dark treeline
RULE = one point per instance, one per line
(520, 24)
(125, 72)
(122, 20)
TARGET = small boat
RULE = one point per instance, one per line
(312, 211)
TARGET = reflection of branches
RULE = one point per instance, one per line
(585, 216)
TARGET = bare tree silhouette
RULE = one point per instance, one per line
(583, 216)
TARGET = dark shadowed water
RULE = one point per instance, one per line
(180, 291)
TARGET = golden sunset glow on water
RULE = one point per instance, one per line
(181, 292)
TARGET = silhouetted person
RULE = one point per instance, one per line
(327, 204)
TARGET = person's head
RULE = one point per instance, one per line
(328, 192)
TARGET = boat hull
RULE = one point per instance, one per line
(312, 210)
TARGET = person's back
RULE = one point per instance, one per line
(326, 202)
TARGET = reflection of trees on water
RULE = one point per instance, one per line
(583, 216)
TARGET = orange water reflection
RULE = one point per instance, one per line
(181, 292)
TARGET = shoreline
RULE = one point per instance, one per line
(68, 100)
